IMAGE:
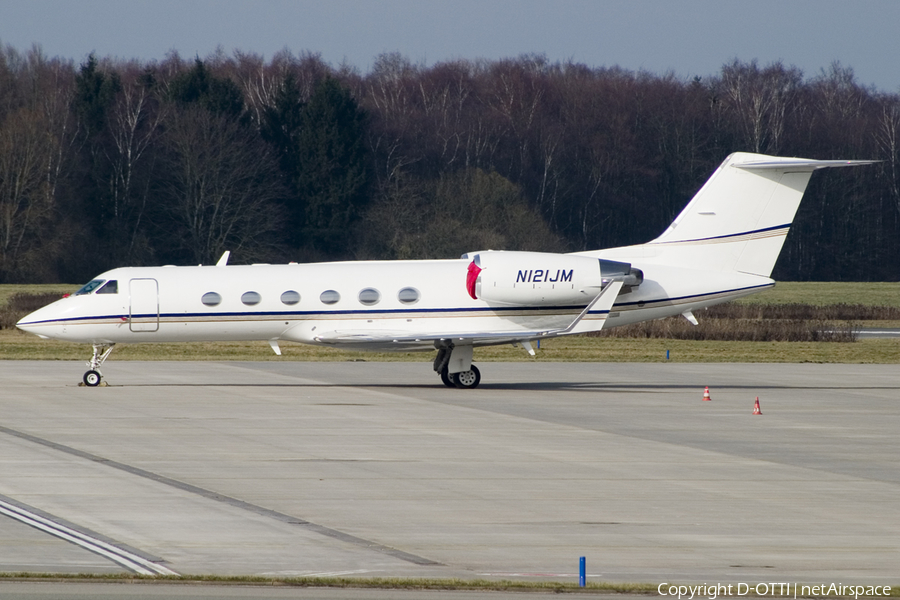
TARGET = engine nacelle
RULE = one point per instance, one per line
(533, 278)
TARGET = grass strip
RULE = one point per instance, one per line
(394, 583)
(823, 293)
(16, 345)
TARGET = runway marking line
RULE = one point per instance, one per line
(130, 561)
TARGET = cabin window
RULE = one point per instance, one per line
(408, 295)
(290, 298)
(369, 296)
(90, 287)
(111, 287)
(251, 298)
(211, 299)
(330, 297)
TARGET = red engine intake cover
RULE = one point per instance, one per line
(471, 278)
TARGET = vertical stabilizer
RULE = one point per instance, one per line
(739, 219)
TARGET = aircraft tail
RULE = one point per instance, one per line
(739, 219)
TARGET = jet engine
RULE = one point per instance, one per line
(534, 278)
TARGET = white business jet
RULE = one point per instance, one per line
(722, 246)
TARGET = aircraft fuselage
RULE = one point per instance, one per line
(329, 303)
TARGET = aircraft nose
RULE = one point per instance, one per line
(27, 323)
(40, 321)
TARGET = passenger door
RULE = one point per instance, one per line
(143, 312)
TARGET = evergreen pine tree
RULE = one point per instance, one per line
(332, 177)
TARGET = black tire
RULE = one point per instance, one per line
(445, 377)
(467, 380)
(92, 378)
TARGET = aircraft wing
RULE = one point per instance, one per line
(475, 338)
(602, 303)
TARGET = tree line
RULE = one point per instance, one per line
(113, 162)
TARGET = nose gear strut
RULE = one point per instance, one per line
(93, 377)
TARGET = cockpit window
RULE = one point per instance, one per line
(111, 287)
(90, 287)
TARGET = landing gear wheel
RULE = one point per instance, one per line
(446, 378)
(467, 379)
(92, 378)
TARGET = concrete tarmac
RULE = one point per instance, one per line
(376, 469)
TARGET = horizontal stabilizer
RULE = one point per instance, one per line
(801, 165)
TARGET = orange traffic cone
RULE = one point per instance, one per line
(756, 410)
(706, 397)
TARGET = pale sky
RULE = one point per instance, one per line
(687, 37)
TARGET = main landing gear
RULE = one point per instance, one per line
(92, 378)
(465, 379)
(468, 379)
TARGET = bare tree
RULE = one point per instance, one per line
(887, 135)
(36, 141)
(761, 100)
(460, 212)
(261, 82)
(134, 125)
(25, 205)
(222, 190)
(390, 98)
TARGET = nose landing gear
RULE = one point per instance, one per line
(92, 378)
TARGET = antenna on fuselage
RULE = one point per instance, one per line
(224, 260)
